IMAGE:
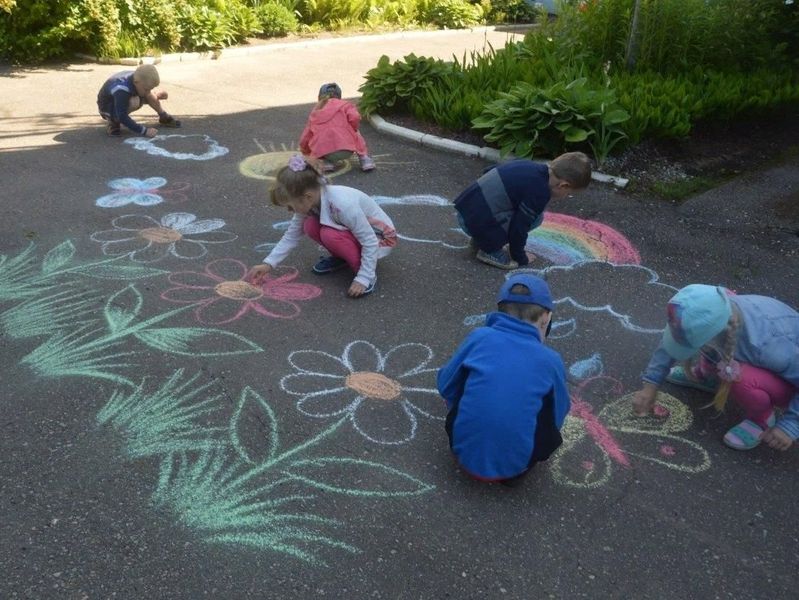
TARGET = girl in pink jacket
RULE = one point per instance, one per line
(331, 133)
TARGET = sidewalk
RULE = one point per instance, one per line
(270, 76)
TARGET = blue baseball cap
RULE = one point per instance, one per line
(539, 291)
(696, 314)
(330, 89)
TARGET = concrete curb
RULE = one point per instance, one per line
(238, 51)
(447, 145)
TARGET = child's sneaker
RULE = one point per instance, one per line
(497, 259)
(329, 167)
(113, 129)
(367, 164)
(328, 264)
(678, 376)
(168, 121)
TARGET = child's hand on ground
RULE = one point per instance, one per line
(356, 289)
(777, 439)
(258, 273)
(644, 400)
(151, 132)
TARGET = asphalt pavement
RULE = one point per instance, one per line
(169, 431)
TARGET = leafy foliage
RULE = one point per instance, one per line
(394, 86)
(276, 20)
(510, 11)
(528, 121)
(450, 14)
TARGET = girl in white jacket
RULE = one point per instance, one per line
(347, 222)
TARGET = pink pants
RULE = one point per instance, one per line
(758, 392)
(339, 242)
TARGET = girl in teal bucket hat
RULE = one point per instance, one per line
(745, 347)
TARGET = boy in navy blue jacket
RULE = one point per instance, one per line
(128, 91)
(508, 201)
(505, 390)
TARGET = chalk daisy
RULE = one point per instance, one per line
(383, 394)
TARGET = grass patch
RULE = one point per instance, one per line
(677, 191)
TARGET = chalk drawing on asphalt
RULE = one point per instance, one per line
(167, 420)
(597, 442)
(151, 146)
(274, 157)
(98, 348)
(631, 310)
(23, 276)
(142, 192)
(380, 394)
(61, 310)
(228, 490)
(564, 240)
(221, 294)
(146, 240)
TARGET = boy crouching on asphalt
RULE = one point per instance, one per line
(507, 202)
(128, 91)
(505, 390)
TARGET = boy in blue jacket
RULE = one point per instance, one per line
(128, 91)
(505, 390)
(508, 201)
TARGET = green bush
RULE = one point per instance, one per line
(402, 13)
(276, 20)
(242, 19)
(333, 12)
(147, 25)
(451, 104)
(511, 11)
(203, 28)
(450, 14)
(394, 86)
(530, 121)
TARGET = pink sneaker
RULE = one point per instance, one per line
(367, 164)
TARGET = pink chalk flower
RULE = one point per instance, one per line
(222, 295)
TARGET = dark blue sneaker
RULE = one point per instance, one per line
(328, 264)
(498, 259)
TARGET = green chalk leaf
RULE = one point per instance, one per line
(252, 409)
(122, 308)
(356, 477)
(116, 271)
(58, 257)
(195, 341)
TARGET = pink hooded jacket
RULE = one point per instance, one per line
(331, 128)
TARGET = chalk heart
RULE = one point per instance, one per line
(373, 385)
(238, 290)
(160, 235)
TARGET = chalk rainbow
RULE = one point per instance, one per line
(565, 240)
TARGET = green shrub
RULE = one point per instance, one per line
(333, 12)
(242, 20)
(394, 86)
(151, 24)
(401, 13)
(276, 20)
(529, 121)
(450, 14)
(510, 11)
(203, 28)
(451, 104)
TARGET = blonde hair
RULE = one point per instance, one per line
(728, 353)
(290, 184)
(521, 310)
(147, 75)
(574, 168)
